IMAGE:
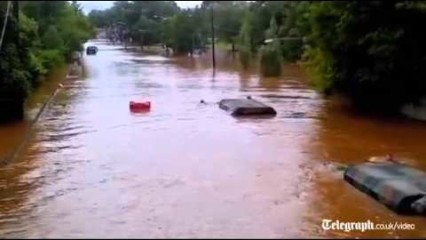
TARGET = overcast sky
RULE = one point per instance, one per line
(101, 5)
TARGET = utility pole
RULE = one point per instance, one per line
(213, 37)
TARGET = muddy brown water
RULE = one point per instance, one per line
(94, 169)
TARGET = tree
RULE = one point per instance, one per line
(351, 47)
(270, 59)
(52, 39)
(63, 29)
(229, 17)
(98, 18)
(245, 40)
(182, 33)
(295, 24)
(360, 52)
(140, 20)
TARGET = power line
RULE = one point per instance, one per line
(4, 23)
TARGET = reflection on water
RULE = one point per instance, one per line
(95, 169)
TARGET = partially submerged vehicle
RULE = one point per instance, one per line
(399, 187)
(91, 50)
(246, 107)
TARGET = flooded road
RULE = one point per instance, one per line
(185, 169)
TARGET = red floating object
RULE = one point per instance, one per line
(140, 106)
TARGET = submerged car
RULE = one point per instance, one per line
(91, 50)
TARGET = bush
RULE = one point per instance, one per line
(360, 52)
(36, 70)
(52, 39)
(320, 66)
(14, 74)
(25, 58)
(51, 58)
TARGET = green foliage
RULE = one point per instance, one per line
(30, 42)
(376, 62)
(373, 52)
(228, 20)
(51, 58)
(15, 63)
(98, 18)
(14, 75)
(147, 30)
(261, 14)
(28, 35)
(273, 29)
(202, 30)
(62, 25)
(321, 69)
(37, 69)
(52, 39)
(245, 41)
(166, 29)
(145, 22)
(270, 55)
(78, 30)
(295, 24)
(182, 33)
(48, 32)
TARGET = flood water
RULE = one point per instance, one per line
(94, 169)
